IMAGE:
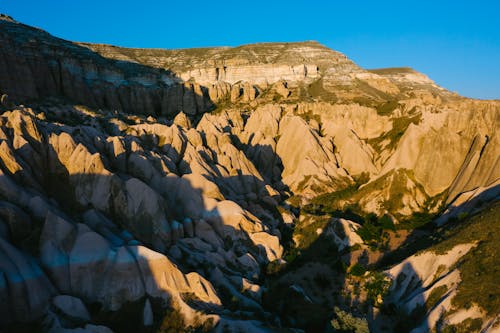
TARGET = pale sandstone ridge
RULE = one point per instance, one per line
(257, 63)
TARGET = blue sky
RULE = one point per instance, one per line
(456, 43)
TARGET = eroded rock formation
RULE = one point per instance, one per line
(228, 187)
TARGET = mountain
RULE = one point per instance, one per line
(260, 188)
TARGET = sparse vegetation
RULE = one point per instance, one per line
(346, 323)
(173, 322)
(479, 268)
(274, 267)
(392, 70)
(329, 203)
(301, 186)
(376, 286)
(469, 325)
(307, 229)
(308, 116)
(373, 230)
(399, 127)
(416, 220)
(387, 108)
(357, 269)
(316, 90)
(435, 296)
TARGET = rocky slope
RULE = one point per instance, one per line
(267, 187)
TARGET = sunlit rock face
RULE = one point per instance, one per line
(227, 189)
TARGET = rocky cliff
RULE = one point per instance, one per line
(266, 187)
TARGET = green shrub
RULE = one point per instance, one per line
(376, 286)
(373, 230)
(416, 220)
(346, 322)
(357, 270)
(386, 223)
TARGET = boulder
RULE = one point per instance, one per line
(71, 308)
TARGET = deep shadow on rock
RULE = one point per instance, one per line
(35, 65)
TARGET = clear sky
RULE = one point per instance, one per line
(456, 43)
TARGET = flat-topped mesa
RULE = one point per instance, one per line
(262, 63)
(35, 65)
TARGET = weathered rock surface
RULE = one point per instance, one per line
(142, 199)
(35, 64)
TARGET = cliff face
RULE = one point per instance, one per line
(36, 65)
(264, 63)
(240, 189)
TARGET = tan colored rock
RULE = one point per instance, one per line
(182, 120)
(354, 154)
(117, 152)
(8, 159)
(344, 233)
(265, 120)
(219, 91)
(303, 153)
(229, 219)
(270, 244)
(364, 121)
(281, 88)
(378, 82)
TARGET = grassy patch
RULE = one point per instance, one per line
(346, 322)
(435, 296)
(467, 326)
(317, 90)
(387, 108)
(330, 200)
(306, 230)
(329, 203)
(373, 231)
(393, 70)
(480, 267)
(399, 127)
(479, 272)
(416, 220)
(309, 115)
(302, 185)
